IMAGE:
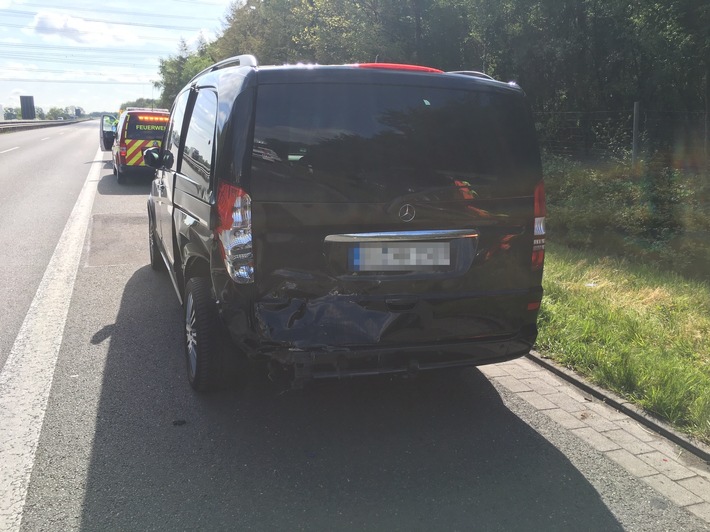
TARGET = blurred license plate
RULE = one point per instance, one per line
(399, 256)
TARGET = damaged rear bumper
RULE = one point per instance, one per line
(347, 362)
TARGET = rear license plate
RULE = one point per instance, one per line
(399, 256)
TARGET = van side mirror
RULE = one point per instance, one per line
(152, 158)
(168, 159)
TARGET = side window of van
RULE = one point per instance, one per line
(199, 142)
(172, 138)
(120, 128)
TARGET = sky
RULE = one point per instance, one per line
(95, 55)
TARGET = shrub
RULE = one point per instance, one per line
(662, 216)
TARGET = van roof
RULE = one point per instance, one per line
(146, 110)
(366, 70)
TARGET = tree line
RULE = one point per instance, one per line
(54, 113)
(580, 55)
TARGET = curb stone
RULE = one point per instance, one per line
(624, 406)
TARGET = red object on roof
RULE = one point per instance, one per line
(398, 66)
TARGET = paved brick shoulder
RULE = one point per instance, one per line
(675, 473)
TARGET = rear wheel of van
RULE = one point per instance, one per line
(201, 335)
(120, 177)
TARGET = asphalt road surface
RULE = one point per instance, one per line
(99, 429)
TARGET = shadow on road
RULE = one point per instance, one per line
(439, 452)
(108, 186)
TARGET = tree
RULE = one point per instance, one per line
(568, 55)
(55, 113)
(140, 102)
(11, 113)
(176, 71)
(268, 29)
(172, 78)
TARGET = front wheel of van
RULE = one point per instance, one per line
(201, 335)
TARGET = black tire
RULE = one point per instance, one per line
(120, 177)
(156, 260)
(202, 350)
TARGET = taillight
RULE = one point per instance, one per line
(234, 232)
(538, 253)
(122, 153)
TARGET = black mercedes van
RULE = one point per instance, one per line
(349, 220)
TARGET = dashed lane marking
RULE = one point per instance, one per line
(5, 151)
(26, 379)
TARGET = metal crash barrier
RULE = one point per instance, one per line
(22, 125)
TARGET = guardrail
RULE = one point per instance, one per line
(22, 125)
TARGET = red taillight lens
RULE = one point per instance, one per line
(227, 195)
(538, 253)
(233, 232)
(540, 210)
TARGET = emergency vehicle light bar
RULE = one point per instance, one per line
(152, 118)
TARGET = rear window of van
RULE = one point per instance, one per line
(146, 126)
(389, 133)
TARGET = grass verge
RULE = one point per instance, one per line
(634, 329)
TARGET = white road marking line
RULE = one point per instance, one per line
(26, 379)
(45, 138)
(15, 148)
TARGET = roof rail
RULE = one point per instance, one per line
(237, 60)
(472, 73)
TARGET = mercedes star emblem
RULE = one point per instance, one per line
(407, 212)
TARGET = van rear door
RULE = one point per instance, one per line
(393, 212)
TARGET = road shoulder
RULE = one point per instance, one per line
(612, 427)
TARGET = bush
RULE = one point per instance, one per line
(662, 216)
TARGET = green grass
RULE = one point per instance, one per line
(634, 329)
(661, 215)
